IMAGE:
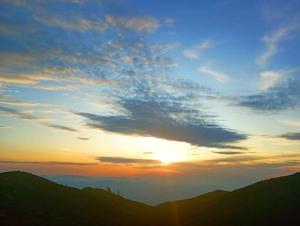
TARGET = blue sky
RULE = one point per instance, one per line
(151, 87)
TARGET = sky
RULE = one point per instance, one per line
(194, 92)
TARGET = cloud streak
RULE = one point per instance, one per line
(31, 117)
(216, 75)
(272, 41)
(194, 52)
(48, 163)
(291, 136)
(139, 24)
(122, 160)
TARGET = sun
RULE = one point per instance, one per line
(165, 151)
(166, 157)
(169, 154)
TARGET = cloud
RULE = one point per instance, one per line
(19, 114)
(87, 57)
(156, 117)
(114, 59)
(10, 101)
(140, 24)
(245, 159)
(83, 138)
(271, 43)
(169, 22)
(271, 79)
(291, 136)
(257, 160)
(34, 81)
(62, 79)
(4, 127)
(279, 95)
(122, 160)
(17, 80)
(61, 127)
(229, 152)
(78, 23)
(48, 163)
(217, 75)
(76, 20)
(31, 117)
(274, 100)
(195, 51)
(290, 122)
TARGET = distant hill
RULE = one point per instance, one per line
(26, 199)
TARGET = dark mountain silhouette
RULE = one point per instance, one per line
(270, 202)
(26, 199)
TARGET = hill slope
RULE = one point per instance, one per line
(26, 199)
(271, 202)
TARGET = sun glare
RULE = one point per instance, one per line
(166, 157)
(167, 151)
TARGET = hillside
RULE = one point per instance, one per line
(26, 199)
(270, 202)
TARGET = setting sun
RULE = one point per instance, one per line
(168, 156)
(165, 151)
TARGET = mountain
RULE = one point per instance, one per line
(26, 199)
(270, 202)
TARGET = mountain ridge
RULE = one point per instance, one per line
(27, 199)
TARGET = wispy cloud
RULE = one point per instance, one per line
(83, 138)
(61, 127)
(195, 51)
(169, 22)
(42, 121)
(48, 163)
(216, 75)
(253, 160)
(290, 122)
(18, 80)
(62, 79)
(11, 101)
(291, 136)
(4, 127)
(271, 79)
(229, 152)
(97, 23)
(140, 24)
(78, 23)
(122, 160)
(272, 41)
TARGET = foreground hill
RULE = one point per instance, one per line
(26, 199)
(271, 202)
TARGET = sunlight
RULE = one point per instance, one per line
(167, 151)
(166, 157)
